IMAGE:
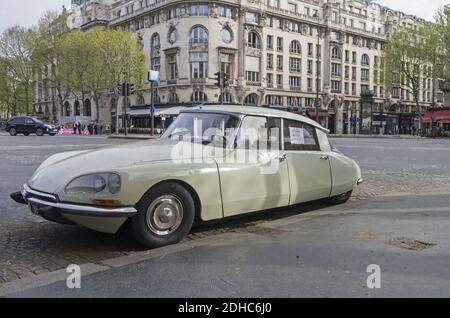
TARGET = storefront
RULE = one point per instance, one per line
(440, 118)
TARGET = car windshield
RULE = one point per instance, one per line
(207, 128)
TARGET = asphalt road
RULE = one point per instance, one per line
(331, 250)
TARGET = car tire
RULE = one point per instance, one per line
(13, 132)
(26, 134)
(165, 216)
(40, 132)
(52, 135)
(342, 198)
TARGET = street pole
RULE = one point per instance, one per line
(152, 109)
(317, 67)
(125, 105)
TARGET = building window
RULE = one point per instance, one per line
(280, 44)
(365, 60)
(251, 17)
(365, 74)
(199, 96)
(77, 108)
(292, 7)
(226, 98)
(253, 40)
(336, 86)
(295, 47)
(336, 53)
(199, 65)
(199, 10)
(156, 42)
(225, 12)
(87, 109)
(199, 35)
(251, 100)
(252, 76)
(295, 64)
(173, 98)
(279, 62)
(225, 64)
(174, 13)
(226, 35)
(295, 81)
(274, 100)
(336, 69)
(270, 42)
(269, 61)
(173, 67)
(294, 101)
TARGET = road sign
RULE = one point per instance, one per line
(154, 76)
(303, 110)
(318, 102)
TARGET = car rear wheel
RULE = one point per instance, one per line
(165, 216)
(13, 132)
(40, 132)
(340, 199)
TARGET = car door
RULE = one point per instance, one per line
(309, 166)
(254, 176)
(19, 125)
(30, 126)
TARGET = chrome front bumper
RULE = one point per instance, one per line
(44, 203)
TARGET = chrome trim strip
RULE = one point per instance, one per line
(360, 181)
(31, 191)
(89, 210)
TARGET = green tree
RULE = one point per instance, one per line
(16, 48)
(406, 60)
(46, 55)
(76, 54)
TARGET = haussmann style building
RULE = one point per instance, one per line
(278, 53)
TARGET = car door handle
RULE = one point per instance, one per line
(282, 157)
(324, 158)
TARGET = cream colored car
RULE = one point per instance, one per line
(213, 162)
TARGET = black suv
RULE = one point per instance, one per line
(29, 125)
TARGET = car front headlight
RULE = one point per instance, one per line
(95, 183)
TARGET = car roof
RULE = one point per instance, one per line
(256, 111)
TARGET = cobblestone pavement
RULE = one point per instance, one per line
(31, 246)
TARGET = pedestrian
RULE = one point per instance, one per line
(414, 130)
(74, 128)
(79, 128)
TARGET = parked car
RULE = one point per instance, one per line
(29, 125)
(213, 162)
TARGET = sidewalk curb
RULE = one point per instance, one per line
(132, 137)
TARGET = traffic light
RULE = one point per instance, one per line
(120, 89)
(226, 80)
(218, 79)
(131, 89)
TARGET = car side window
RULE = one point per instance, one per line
(29, 121)
(299, 136)
(18, 120)
(259, 133)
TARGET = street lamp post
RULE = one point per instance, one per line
(316, 15)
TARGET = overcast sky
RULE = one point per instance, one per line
(27, 12)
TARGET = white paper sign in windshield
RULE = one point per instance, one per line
(297, 136)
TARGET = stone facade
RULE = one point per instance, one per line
(269, 50)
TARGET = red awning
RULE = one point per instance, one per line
(439, 116)
(312, 114)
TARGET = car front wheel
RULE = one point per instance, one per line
(165, 216)
(13, 132)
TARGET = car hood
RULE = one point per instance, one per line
(54, 173)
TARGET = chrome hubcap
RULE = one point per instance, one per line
(165, 215)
